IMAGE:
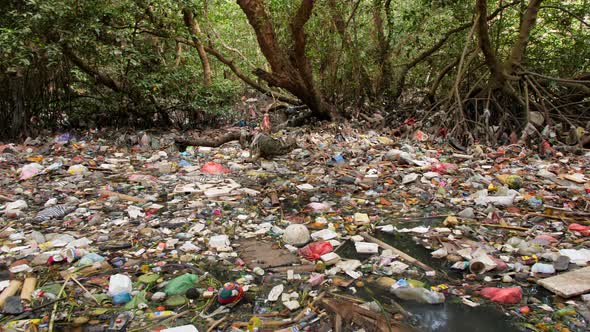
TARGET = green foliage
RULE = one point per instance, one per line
(133, 43)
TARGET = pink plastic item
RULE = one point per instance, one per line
(511, 295)
(30, 171)
(214, 168)
(315, 250)
(443, 168)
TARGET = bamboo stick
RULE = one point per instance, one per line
(28, 288)
(11, 290)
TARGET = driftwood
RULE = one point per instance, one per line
(261, 145)
(400, 253)
(212, 142)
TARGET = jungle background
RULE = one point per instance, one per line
(472, 69)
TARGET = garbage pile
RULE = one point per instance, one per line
(114, 232)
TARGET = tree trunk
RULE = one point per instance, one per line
(195, 31)
(290, 68)
(526, 26)
(485, 44)
(383, 80)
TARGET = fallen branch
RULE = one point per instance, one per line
(213, 142)
(512, 228)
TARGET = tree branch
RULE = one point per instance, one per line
(526, 26)
(428, 52)
(193, 28)
(485, 44)
(297, 26)
(231, 65)
(568, 12)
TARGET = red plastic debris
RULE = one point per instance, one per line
(315, 250)
(584, 230)
(511, 295)
(214, 168)
(409, 122)
(443, 168)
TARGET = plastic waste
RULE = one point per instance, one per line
(16, 205)
(315, 250)
(56, 211)
(275, 292)
(181, 284)
(482, 198)
(90, 258)
(183, 328)
(160, 314)
(30, 170)
(543, 268)
(511, 295)
(121, 298)
(120, 283)
(338, 158)
(535, 203)
(63, 138)
(77, 170)
(584, 230)
(296, 235)
(421, 295)
(230, 292)
(443, 168)
(577, 256)
(214, 168)
(73, 254)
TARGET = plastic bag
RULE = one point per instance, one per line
(56, 211)
(181, 284)
(214, 168)
(30, 170)
(510, 295)
(77, 169)
(119, 283)
(315, 250)
(584, 230)
(443, 168)
(136, 301)
(420, 295)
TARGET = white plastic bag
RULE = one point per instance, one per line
(119, 283)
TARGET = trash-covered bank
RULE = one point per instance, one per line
(349, 231)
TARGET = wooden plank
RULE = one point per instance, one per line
(260, 253)
(568, 284)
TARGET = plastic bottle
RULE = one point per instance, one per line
(121, 298)
(160, 314)
(421, 295)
